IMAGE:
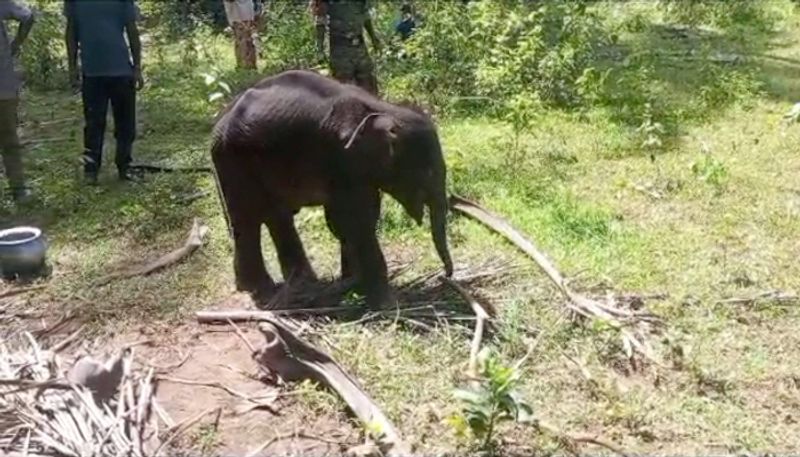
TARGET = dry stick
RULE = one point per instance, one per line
(63, 344)
(570, 439)
(178, 429)
(242, 337)
(162, 414)
(776, 296)
(19, 291)
(482, 317)
(211, 384)
(578, 303)
(193, 242)
(288, 436)
(174, 366)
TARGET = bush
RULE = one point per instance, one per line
(43, 56)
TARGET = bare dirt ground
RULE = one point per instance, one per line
(186, 354)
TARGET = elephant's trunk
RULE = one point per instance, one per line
(438, 212)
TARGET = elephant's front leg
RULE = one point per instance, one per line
(359, 210)
(291, 255)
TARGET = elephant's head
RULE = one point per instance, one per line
(399, 148)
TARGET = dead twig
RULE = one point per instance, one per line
(20, 290)
(181, 427)
(627, 322)
(482, 316)
(63, 344)
(242, 337)
(210, 384)
(775, 296)
(172, 367)
(193, 242)
(287, 436)
(570, 441)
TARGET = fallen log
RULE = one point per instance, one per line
(193, 241)
(295, 360)
(627, 322)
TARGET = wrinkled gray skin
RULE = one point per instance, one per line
(300, 139)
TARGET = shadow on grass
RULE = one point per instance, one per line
(681, 76)
(424, 301)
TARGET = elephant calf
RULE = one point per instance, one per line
(301, 139)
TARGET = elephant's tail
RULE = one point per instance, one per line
(215, 150)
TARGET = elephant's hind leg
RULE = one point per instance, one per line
(348, 260)
(291, 255)
(248, 261)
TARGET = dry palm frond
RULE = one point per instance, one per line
(43, 413)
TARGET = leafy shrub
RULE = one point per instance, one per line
(725, 15)
(490, 402)
(43, 56)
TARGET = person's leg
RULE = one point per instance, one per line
(10, 146)
(342, 65)
(122, 92)
(365, 72)
(95, 108)
(321, 30)
(238, 42)
(249, 45)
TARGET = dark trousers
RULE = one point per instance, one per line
(98, 91)
(10, 148)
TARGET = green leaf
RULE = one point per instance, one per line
(225, 86)
(468, 396)
(459, 424)
(525, 413)
(209, 78)
(215, 96)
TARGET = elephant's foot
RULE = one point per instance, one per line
(262, 294)
(382, 300)
(302, 277)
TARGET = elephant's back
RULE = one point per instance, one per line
(271, 116)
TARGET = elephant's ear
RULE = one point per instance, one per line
(353, 122)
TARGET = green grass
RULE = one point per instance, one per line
(727, 223)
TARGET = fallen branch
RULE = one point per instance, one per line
(625, 321)
(769, 296)
(224, 317)
(570, 441)
(63, 344)
(294, 360)
(180, 428)
(193, 242)
(20, 290)
(165, 169)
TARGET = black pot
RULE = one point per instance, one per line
(22, 252)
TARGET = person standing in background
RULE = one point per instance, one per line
(405, 27)
(350, 60)
(241, 16)
(110, 71)
(320, 17)
(10, 82)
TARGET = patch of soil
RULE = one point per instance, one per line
(222, 357)
(214, 354)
